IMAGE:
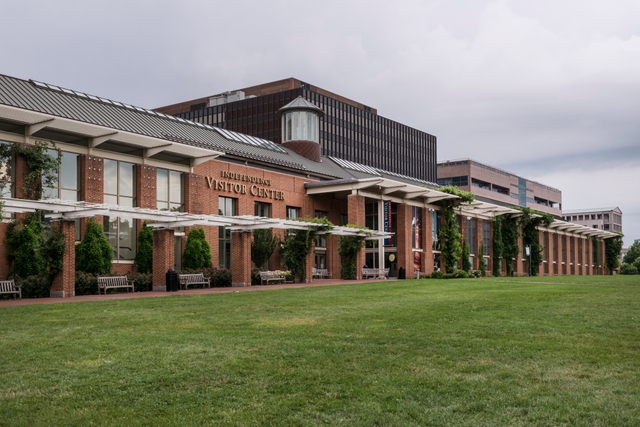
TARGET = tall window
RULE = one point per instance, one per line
(371, 218)
(262, 209)
(229, 207)
(6, 177)
(169, 195)
(119, 189)
(486, 237)
(471, 235)
(66, 186)
(320, 254)
(436, 225)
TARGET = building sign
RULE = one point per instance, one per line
(386, 208)
(255, 186)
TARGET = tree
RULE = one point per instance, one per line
(263, 245)
(24, 245)
(466, 262)
(633, 253)
(197, 253)
(144, 257)
(94, 254)
(612, 248)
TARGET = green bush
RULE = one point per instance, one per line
(24, 248)
(143, 282)
(144, 257)
(197, 253)
(628, 269)
(220, 278)
(36, 286)
(437, 275)
(263, 245)
(86, 283)
(461, 274)
(94, 253)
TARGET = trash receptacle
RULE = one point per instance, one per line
(402, 273)
(172, 280)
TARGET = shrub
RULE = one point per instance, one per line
(94, 253)
(350, 247)
(86, 283)
(197, 253)
(36, 286)
(220, 278)
(477, 273)
(628, 269)
(437, 275)
(144, 257)
(461, 274)
(24, 249)
(143, 282)
(466, 262)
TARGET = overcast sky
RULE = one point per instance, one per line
(547, 89)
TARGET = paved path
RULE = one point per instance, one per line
(152, 294)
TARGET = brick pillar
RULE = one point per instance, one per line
(241, 258)
(561, 258)
(64, 282)
(405, 254)
(519, 264)
(479, 239)
(308, 277)
(549, 248)
(163, 257)
(355, 215)
(575, 254)
(588, 256)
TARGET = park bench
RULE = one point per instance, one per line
(112, 282)
(193, 279)
(320, 273)
(377, 273)
(9, 287)
(271, 276)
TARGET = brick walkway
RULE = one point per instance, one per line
(154, 294)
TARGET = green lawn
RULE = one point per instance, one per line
(495, 352)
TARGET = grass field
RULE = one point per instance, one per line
(497, 352)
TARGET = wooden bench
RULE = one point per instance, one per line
(320, 273)
(9, 287)
(193, 279)
(377, 273)
(112, 282)
(271, 276)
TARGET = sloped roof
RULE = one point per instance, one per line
(94, 110)
(301, 103)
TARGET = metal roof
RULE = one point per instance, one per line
(301, 104)
(94, 110)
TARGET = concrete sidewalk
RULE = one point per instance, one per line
(155, 294)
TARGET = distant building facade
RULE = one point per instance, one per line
(348, 129)
(495, 185)
(609, 219)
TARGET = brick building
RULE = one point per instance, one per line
(124, 164)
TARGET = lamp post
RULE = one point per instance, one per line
(528, 251)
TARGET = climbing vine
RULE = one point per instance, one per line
(42, 166)
(450, 233)
(349, 247)
(466, 254)
(263, 245)
(498, 246)
(529, 221)
(510, 248)
(297, 245)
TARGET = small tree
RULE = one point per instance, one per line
(24, 245)
(510, 248)
(94, 254)
(144, 257)
(197, 253)
(612, 248)
(263, 245)
(349, 249)
(466, 262)
(633, 253)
